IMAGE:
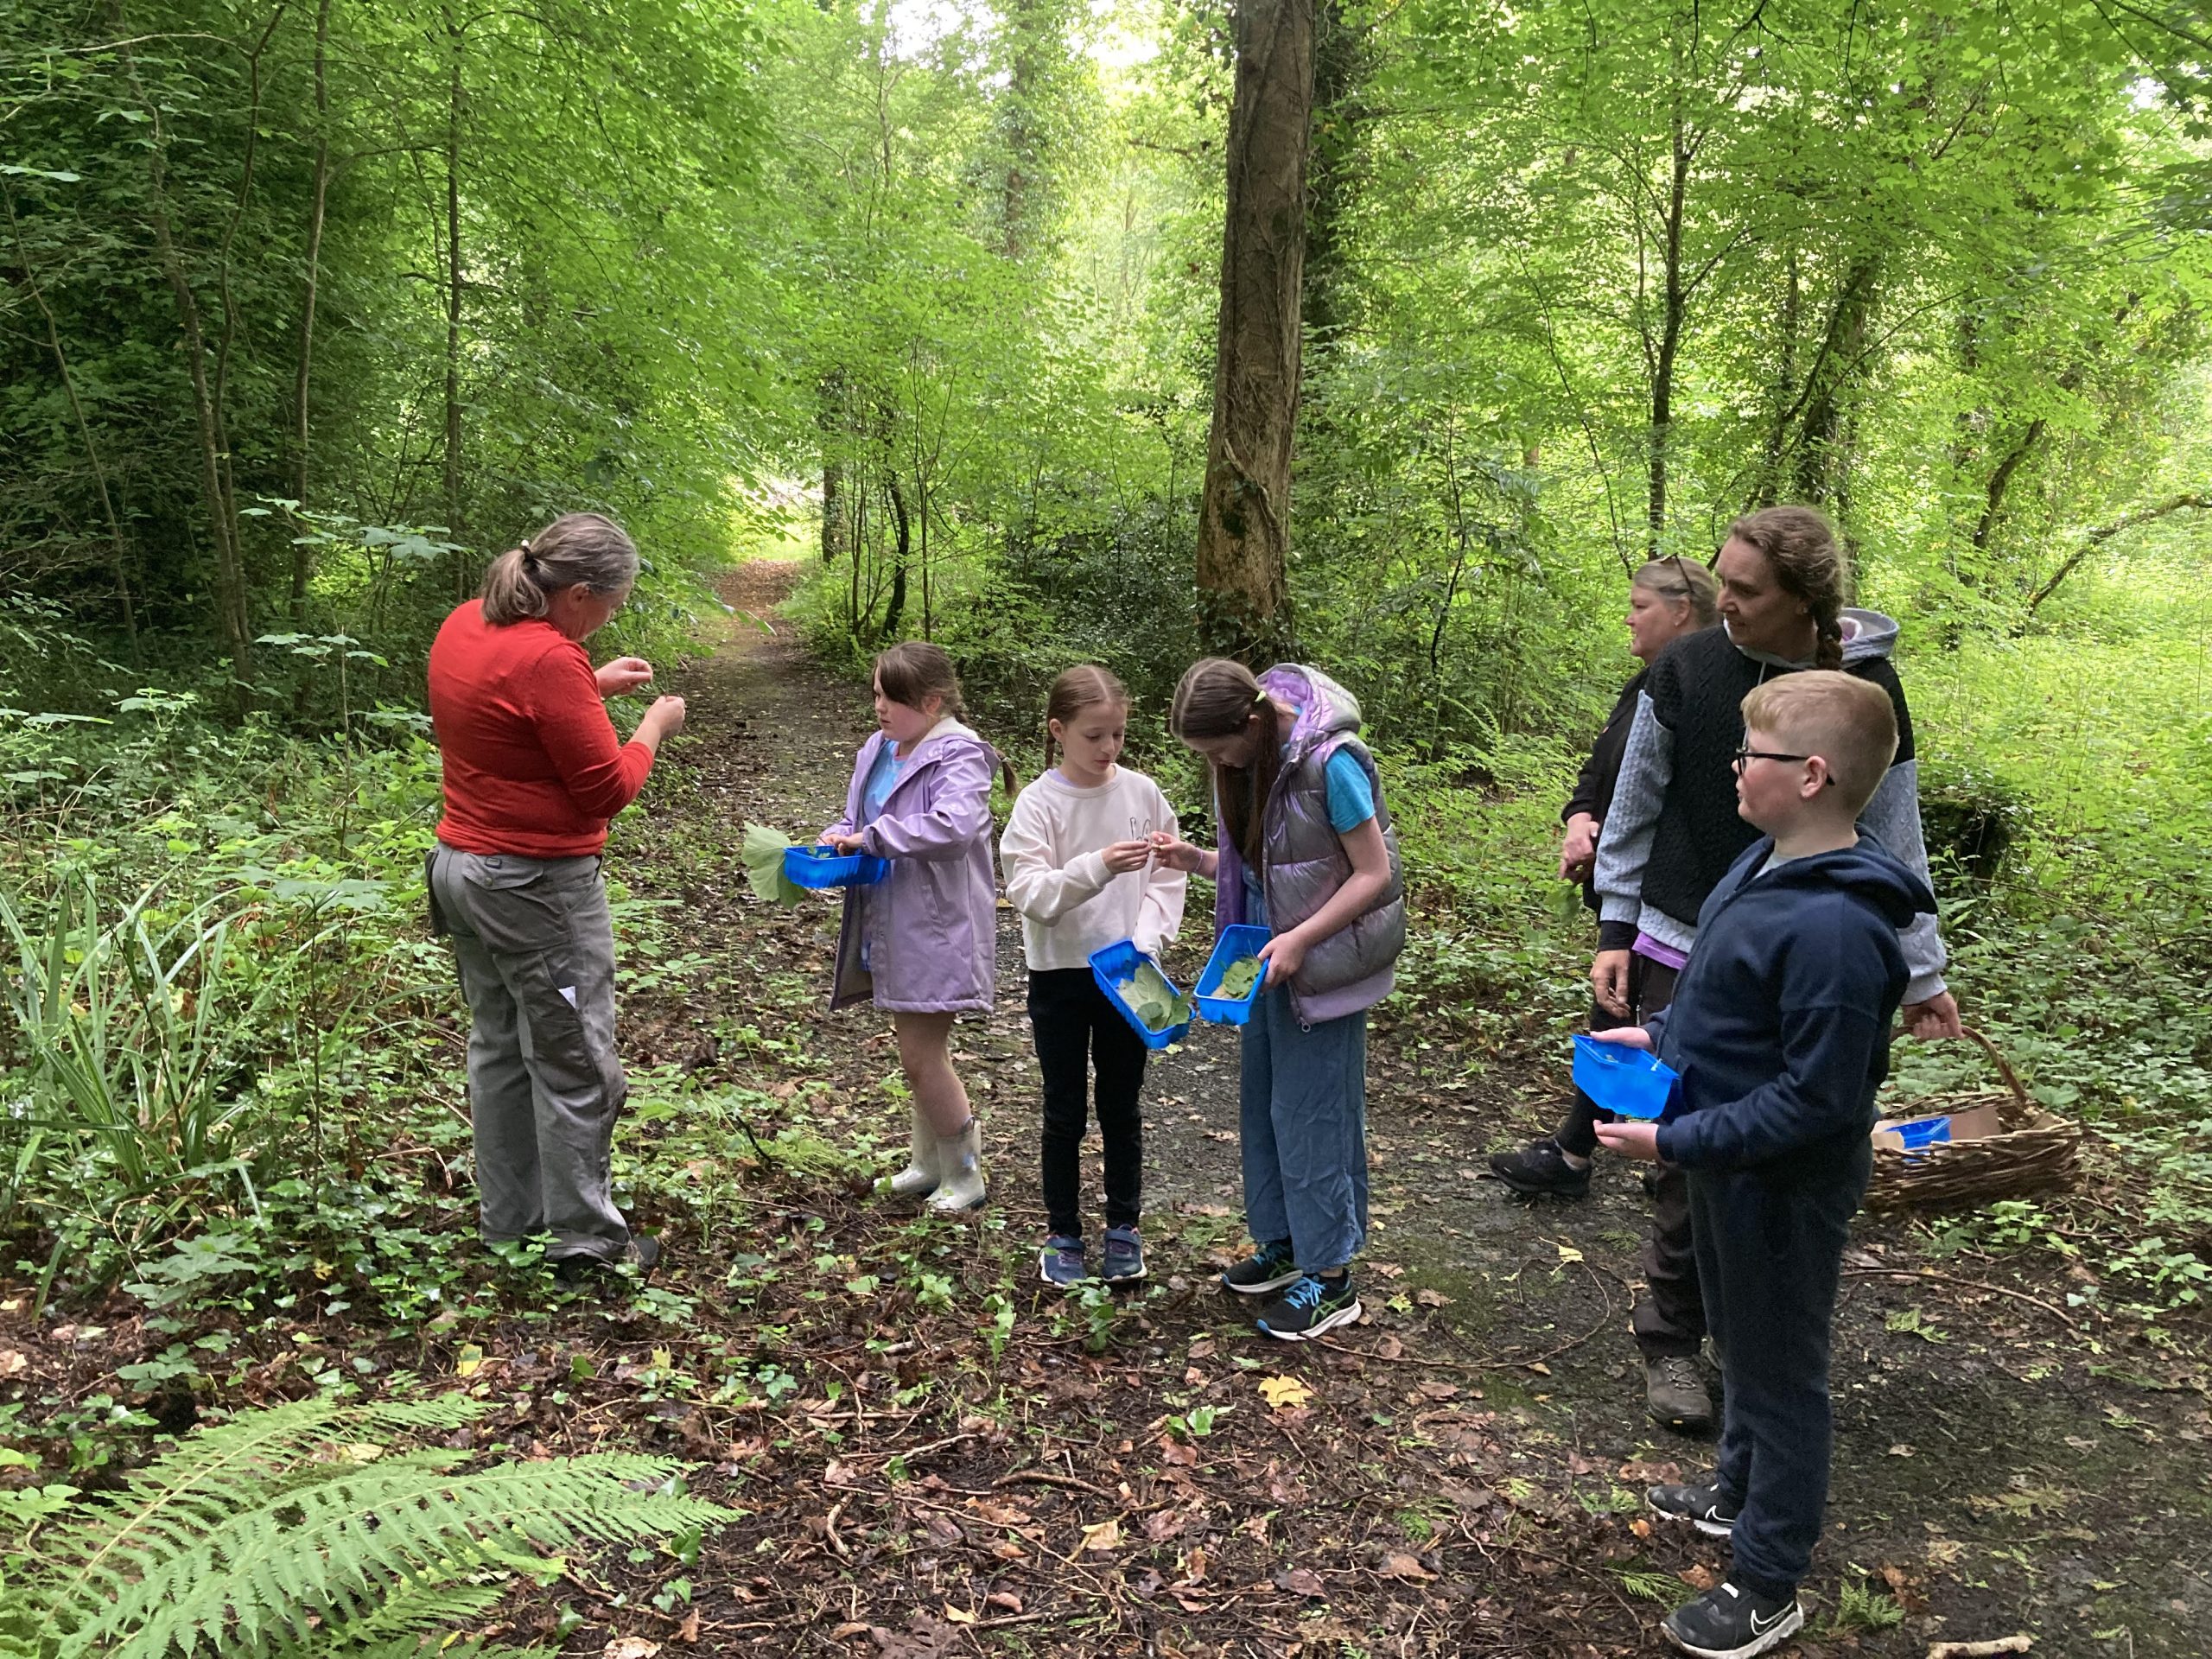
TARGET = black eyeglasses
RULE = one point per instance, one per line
(1746, 755)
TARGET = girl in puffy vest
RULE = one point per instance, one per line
(923, 944)
(1305, 848)
(1079, 867)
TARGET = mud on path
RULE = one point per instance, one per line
(1462, 1477)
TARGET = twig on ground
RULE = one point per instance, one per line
(1989, 1649)
(1908, 1274)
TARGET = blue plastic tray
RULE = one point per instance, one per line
(824, 866)
(1234, 943)
(1623, 1080)
(1118, 962)
(1920, 1132)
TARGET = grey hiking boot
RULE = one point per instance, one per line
(1675, 1394)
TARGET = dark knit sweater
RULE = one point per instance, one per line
(1697, 688)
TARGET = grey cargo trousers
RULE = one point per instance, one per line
(536, 951)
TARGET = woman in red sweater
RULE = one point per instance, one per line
(533, 772)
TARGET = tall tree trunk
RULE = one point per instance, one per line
(464, 571)
(830, 421)
(1787, 320)
(1341, 69)
(1670, 330)
(222, 519)
(894, 611)
(117, 550)
(303, 548)
(1817, 477)
(1244, 511)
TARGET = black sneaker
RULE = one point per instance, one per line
(1706, 1506)
(1540, 1170)
(1732, 1623)
(643, 1252)
(1268, 1268)
(1311, 1306)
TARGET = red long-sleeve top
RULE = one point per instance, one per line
(532, 765)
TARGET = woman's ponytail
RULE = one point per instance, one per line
(586, 549)
(510, 590)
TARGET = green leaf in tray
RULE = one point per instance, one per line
(1152, 1000)
(762, 852)
(1239, 977)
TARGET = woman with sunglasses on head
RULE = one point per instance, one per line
(1667, 599)
(1673, 832)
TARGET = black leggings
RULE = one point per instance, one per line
(1076, 1030)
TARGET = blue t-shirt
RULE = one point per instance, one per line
(882, 777)
(1351, 803)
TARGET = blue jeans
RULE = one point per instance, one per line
(1304, 1099)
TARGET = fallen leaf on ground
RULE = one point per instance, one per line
(629, 1647)
(1432, 1299)
(1280, 1391)
(1568, 1253)
(1396, 1564)
(1300, 1581)
(1005, 1600)
(1107, 1535)
(471, 1361)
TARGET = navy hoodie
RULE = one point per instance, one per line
(1780, 1026)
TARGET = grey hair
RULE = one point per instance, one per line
(577, 550)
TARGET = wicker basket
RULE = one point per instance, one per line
(2037, 1151)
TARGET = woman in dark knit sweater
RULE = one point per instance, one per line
(1673, 832)
(1667, 598)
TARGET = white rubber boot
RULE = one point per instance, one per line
(918, 1179)
(960, 1169)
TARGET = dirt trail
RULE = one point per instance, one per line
(2001, 1466)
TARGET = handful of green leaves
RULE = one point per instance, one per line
(1152, 1000)
(763, 853)
(1239, 977)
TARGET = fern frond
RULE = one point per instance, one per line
(217, 1474)
(337, 1546)
(418, 1621)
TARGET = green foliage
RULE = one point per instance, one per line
(300, 1527)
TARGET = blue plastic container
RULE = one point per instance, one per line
(1922, 1132)
(1627, 1081)
(825, 866)
(1117, 962)
(1235, 944)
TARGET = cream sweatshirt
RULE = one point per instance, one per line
(1056, 875)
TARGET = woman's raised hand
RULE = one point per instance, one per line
(664, 719)
(623, 675)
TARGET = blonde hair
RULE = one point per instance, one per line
(1849, 722)
(1681, 581)
(578, 549)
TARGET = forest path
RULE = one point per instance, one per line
(1462, 1478)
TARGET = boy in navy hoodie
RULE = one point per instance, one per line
(1780, 1032)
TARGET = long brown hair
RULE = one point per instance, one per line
(1084, 686)
(1800, 546)
(585, 550)
(915, 670)
(1217, 697)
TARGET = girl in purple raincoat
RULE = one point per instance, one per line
(924, 942)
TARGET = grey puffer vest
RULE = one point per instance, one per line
(1305, 860)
